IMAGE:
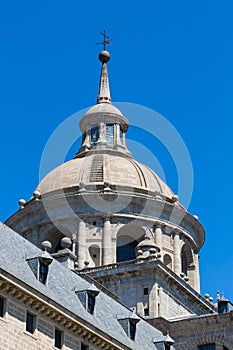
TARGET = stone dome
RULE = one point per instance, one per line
(115, 170)
(104, 108)
(106, 112)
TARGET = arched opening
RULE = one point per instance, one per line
(167, 260)
(125, 248)
(128, 238)
(186, 259)
(187, 264)
(94, 251)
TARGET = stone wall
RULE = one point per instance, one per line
(14, 336)
(191, 333)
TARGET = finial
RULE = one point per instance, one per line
(104, 57)
(105, 41)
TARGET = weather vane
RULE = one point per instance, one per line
(106, 40)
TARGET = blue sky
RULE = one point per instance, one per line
(174, 57)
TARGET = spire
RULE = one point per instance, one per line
(104, 57)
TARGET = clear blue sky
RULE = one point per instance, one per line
(172, 56)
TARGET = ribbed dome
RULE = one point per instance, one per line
(99, 168)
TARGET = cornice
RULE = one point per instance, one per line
(41, 304)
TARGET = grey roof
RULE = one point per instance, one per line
(61, 287)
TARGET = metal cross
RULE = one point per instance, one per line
(106, 40)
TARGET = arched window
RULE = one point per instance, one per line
(125, 248)
(184, 265)
(128, 238)
(186, 259)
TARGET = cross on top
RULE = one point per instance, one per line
(106, 40)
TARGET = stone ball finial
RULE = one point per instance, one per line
(175, 198)
(22, 203)
(104, 56)
(36, 195)
(46, 245)
(66, 242)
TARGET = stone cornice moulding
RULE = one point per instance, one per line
(133, 267)
(74, 324)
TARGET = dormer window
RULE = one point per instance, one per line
(129, 324)
(164, 343)
(88, 298)
(94, 135)
(40, 266)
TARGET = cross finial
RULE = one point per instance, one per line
(106, 40)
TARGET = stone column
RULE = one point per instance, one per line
(177, 256)
(117, 140)
(106, 242)
(159, 236)
(102, 133)
(197, 275)
(81, 244)
(154, 300)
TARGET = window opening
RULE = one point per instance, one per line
(84, 347)
(145, 291)
(110, 134)
(94, 135)
(2, 307)
(43, 273)
(121, 135)
(30, 323)
(125, 248)
(146, 311)
(132, 330)
(58, 339)
(91, 304)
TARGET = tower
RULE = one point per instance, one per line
(126, 227)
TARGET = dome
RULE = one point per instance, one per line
(104, 108)
(116, 170)
(103, 112)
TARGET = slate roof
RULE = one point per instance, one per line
(61, 287)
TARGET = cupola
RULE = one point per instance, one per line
(103, 126)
